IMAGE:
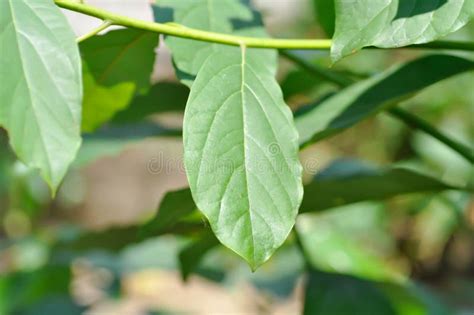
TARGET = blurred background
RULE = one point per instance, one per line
(423, 240)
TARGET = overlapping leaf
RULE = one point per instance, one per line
(117, 66)
(222, 16)
(241, 153)
(41, 86)
(395, 23)
(364, 99)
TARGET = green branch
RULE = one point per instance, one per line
(422, 125)
(406, 117)
(177, 30)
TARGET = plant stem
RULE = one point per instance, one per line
(422, 125)
(219, 38)
(326, 74)
(397, 112)
(95, 31)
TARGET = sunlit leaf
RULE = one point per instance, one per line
(395, 23)
(41, 86)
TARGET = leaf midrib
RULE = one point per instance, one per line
(242, 91)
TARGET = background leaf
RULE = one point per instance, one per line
(41, 89)
(345, 182)
(366, 98)
(325, 13)
(162, 97)
(395, 23)
(119, 65)
(192, 254)
(223, 16)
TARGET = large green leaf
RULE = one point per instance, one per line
(41, 86)
(222, 16)
(119, 65)
(241, 153)
(346, 182)
(366, 98)
(395, 23)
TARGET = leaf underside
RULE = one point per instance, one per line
(241, 153)
(41, 86)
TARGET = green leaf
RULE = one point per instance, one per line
(364, 99)
(222, 16)
(241, 153)
(395, 23)
(119, 65)
(20, 291)
(346, 182)
(176, 214)
(162, 97)
(326, 15)
(41, 86)
(192, 254)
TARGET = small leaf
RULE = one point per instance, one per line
(395, 23)
(241, 153)
(364, 99)
(346, 182)
(41, 86)
(119, 65)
